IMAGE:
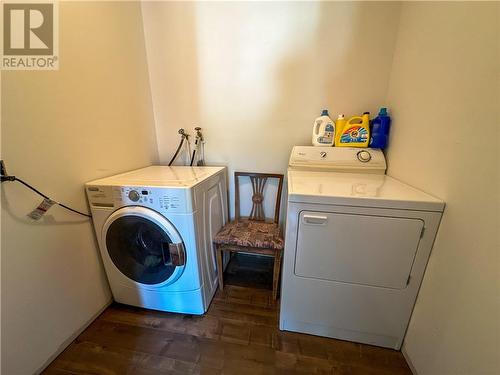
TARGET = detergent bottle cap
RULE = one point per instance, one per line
(341, 116)
(383, 111)
(324, 112)
(366, 113)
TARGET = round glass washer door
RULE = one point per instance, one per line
(144, 246)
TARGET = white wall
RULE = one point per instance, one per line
(90, 119)
(255, 75)
(444, 97)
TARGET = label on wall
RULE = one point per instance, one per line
(30, 35)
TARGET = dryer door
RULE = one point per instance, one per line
(359, 249)
(144, 245)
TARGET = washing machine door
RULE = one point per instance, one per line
(144, 245)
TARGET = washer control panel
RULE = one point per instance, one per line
(100, 196)
(160, 199)
(134, 196)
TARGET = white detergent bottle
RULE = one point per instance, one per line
(323, 130)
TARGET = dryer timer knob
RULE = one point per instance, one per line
(364, 156)
(134, 196)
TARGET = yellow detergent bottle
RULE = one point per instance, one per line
(339, 127)
(356, 132)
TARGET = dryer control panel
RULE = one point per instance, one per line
(338, 159)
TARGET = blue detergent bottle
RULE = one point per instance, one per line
(380, 129)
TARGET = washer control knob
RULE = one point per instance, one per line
(134, 196)
(364, 156)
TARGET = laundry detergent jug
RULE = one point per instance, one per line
(380, 129)
(356, 132)
(339, 127)
(323, 133)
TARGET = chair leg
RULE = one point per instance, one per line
(276, 274)
(220, 270)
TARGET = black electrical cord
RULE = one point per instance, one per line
(176, 152)
(14, 178)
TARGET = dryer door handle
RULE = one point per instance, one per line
(177, 254)
(315, 219)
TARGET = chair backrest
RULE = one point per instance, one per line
(258, 181)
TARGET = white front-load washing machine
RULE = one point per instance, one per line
(356, 246)
(154, 227)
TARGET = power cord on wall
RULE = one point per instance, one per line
(4, 176)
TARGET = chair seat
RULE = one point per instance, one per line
(250, 234)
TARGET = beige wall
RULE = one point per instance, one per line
(255, 75)
(90, 119)
(444, 97)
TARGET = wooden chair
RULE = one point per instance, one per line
(253, 234)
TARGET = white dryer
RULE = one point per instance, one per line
(356, 246)
(154, 227)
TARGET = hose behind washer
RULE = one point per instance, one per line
(176, 152)
(192, 158)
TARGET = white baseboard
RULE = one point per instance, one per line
(72, 338)
(408, 361)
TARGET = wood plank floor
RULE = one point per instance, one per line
(238, 335)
